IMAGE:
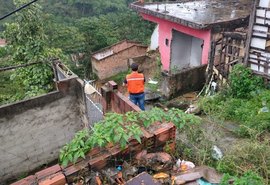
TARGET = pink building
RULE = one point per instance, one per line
(186, 29)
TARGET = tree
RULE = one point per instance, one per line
(27, 43)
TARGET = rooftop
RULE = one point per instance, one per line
(199, 14)
(113, 49)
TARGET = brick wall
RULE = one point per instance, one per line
(115, 101)
(116, 63)
(33, 131)
(121, 46)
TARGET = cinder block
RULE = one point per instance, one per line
(55, 179)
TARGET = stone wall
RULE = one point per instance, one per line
(188, 80)
(33, 131)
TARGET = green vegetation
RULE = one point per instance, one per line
(71, 26)
(246, 103)
(242, 82)
(118, 128)
(248, 177)
(27, 44)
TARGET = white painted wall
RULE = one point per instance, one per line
(264, 3)
(154, 39)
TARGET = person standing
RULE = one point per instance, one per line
(135, 85)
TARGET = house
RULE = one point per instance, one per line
(3, 43)
(114, 59)
(186, 31)
(258, 52)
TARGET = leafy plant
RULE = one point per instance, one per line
(119, 129)
(242, 82)
(76, 148)
(247, 178)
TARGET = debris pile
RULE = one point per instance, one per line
(157, 168)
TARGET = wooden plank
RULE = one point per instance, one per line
(251, 23)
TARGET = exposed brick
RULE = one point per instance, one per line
(94, 152)
(30, 180)
(112, 85)
(115, 150)
(48, 171)
(164, 134)
(72, 172)
(55, 179)
(100, 162)
(146, 134)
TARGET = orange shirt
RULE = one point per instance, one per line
(135, 82)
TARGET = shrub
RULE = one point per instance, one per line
(242, 82)
(248, 178)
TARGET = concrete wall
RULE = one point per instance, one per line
(186, 81)
(165, 32)
(154, 39)
(33, 131)
(116, 63)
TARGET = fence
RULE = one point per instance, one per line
(93, 101)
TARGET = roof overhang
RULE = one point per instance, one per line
(204, 14)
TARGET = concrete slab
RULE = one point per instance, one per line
(202, 13)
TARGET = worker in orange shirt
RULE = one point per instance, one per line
(135, 85)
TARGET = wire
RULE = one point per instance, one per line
(18, 9)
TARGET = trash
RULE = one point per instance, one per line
(161, 176)
(142, 178)
(264, 108)
(216, 153)
(203, 182)
(97, 179)
(154, 158)
(184, 165)
(193, 109)
(119, 178)
(129, 171)
(152, 81)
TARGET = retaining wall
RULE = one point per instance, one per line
(33, 131)
(185, 81)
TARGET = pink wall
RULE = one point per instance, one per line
(165, 32)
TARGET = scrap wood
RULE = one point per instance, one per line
(208, 173)
(188, 177)
(144, 178)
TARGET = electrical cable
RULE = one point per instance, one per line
(18, 9)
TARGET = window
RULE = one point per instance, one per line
(167, 42)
